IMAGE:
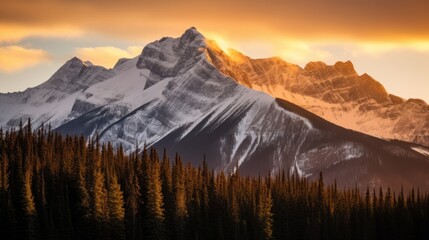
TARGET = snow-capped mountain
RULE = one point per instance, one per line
(182, 94)
(336, 93)
(52, 101)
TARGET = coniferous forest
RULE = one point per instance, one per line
(69, 187)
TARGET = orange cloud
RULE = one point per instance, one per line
(330, 19)
(299, 52)
(17, 32)
(15, 58)
(107, 56)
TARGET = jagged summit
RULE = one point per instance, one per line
(315, 65)
(167, 55)
(336, 93)
(76, 62)
(419, 102)
(237, 56)
(74, 74)
(88, 63)
(191, 35)
(120, 62)
(345, 68)
(75, 59)
(73, 63)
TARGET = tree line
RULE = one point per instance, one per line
(69, 187)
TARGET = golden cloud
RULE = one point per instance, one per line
(107, 56)
(17, 32)
(330, 19)
(299, 52)
(15, 58)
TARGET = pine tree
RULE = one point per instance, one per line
(116, 209)
(180, 209)
(133, 201)
(263, 211)
(29, 207)
(84, 199)
(54, 187)
(154, 211)
(167, 192)
(7, 222)
(205, 199)
(4, 174)
(99, 196)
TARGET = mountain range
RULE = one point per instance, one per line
(336, 93)
(255, 115)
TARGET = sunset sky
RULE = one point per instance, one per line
(388, 39)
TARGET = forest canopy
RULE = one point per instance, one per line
(69, 187)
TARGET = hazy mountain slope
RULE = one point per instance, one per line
(336, 93)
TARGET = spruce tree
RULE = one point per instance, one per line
(116, 209)
(4, 173)
(29, 207)
(167, 192)
(84, 199)
(154, 205)
(180, 209)
(263, 212)
(133, 201)
(99, 196)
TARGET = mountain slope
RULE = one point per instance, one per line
(336, 93)
(178, 94)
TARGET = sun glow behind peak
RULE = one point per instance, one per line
(221, 42)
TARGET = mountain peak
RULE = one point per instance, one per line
(417, 101)
(315, 65)
(192, 37)
(192, 31)
(72, 64)
(167, 56)
(74, 75)
(75, 59)
(346, 68)
(88, 63)
(237, 56)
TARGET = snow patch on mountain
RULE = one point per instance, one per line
(346, 151)
(421, 150)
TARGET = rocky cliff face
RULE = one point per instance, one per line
(336, 93)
